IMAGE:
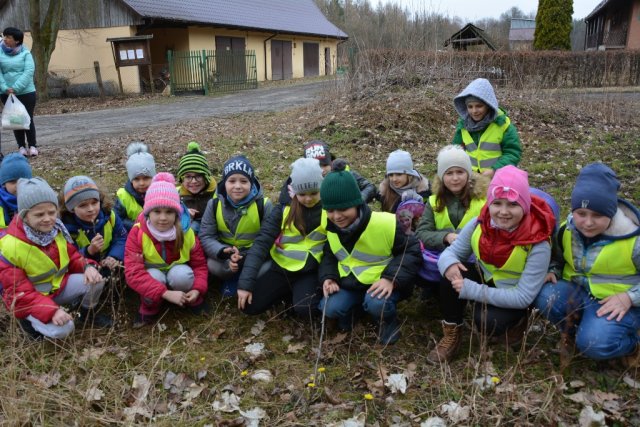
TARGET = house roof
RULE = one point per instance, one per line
(470, 35)
(288, 16)
(522, 34)
(597, 9)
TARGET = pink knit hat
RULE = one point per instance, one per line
(162, 193)
(512, 184)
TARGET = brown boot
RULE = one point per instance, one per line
(448, 346)
(514, 335)
(632, 360)
(567, 347)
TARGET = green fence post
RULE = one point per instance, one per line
(171, 74)
(205, 74)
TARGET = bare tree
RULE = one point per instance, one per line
(44, 33)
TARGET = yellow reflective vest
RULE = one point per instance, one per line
(295, 248)
(247, 229)
(372, 252)
(130, 204)
(41, 271)
(3, 224)
(508, 274)
(612, 272)
(152, 259)
(82, 240)
(486, 152)
(442, 219)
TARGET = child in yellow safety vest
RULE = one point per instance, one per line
(197, 186)
(592, 293)
(232, 221)
(510, 239)
(96, 229)
(282, 263)
(141, 168)
(484, 129)
(41, 270)
(14, 166)
(163, 260)
(369, 262)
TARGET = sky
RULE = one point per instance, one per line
(471, 10)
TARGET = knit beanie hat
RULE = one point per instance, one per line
(400, 161)
(78, 189)
(238, 164)
(340, 191)
(596, 189)
(13, 167)
(453, 156)
(317, 149)
(195, 162)
(33, 191)
(512, 184)
(306, 176)
(139, 161)
(162, 193)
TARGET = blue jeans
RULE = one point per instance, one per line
(573, 310)
(340, 305)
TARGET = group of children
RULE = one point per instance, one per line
(476, 233)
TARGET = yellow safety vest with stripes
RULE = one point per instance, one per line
(443, 221)
(372, 252)
(152, 259)
(130, 204)
(292, 256)
(486, 152)
(3, 224)
(82, 240)
(612, 272)
(508, 275)
(247, 229)
(41, 271)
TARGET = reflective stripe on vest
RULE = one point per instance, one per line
(247, 229)
(509, 274)
(130, 204)
(3, 224)
(41, 271)
(82, 240)
(612, 272)
(292, 256)
(372, 252)
(152, 259)
(486, 153)
(442, 220)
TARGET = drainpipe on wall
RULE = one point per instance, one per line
(265, 53)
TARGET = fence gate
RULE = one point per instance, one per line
(212, 71)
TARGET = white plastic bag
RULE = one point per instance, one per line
(14, 115)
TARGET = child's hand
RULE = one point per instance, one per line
(450, 238)
(91, 275)
(175, 297)
(110, 262)
(458, 284)
(454, 272)
(96, 244)
(235, 256)
(233, 266)
(193, 212)
(244, 298)
(615, 305)
(192, 296)
(329, 287)
(382, 288)
(60, 317)
(551, 277)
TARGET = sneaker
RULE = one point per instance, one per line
(28, 329)
(23, 151)
(33, 151)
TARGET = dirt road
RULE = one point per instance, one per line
(91, 126)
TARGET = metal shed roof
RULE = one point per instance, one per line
(290, 16)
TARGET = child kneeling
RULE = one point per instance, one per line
(368, 260)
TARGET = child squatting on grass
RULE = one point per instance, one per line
(13, 167)
(42, 271)
(593, 290)
(141, 168)
(369, 263)
(511, 241)
(164, 260)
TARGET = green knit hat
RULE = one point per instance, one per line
(340, 190)
(194, 161)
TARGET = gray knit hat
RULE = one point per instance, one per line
(140, 162)
(78, 189)
(33, 191)
(306, 176)
(400, 161)
(453, 156)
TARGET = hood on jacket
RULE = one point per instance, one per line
(479, 185)
(479, 88)
(420, 184)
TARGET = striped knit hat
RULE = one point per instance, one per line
(162, 193)
(194, 161)
(78, 189)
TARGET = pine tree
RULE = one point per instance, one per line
(553, 25)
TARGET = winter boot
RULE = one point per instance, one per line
(143, 320)
(567, 349)
(88, 317)
(28, 329)
(389, 331)
(448, 345)
(632, 360)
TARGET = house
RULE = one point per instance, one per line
(613, 24)
(521, 34)
(470, 36)
(284, 38)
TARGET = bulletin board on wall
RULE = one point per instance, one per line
(131, 51)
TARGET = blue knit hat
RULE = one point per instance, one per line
(238, 164)
(14, 166)
(596, 189)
